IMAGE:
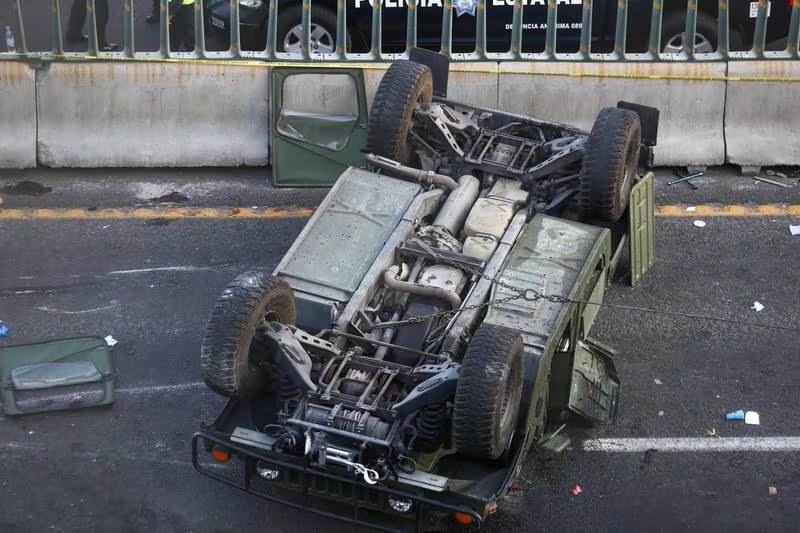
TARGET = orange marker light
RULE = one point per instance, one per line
(220, 456)
(464, 518)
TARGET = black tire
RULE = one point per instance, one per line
(404, 85)
(227, 353)
(293, 17)
(487, 401)
(673, 27)
(610, 164)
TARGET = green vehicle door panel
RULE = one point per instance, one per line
(318, 125)
(56, 375)
(594, 393)
(642, 228)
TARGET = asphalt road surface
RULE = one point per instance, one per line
(152, 281)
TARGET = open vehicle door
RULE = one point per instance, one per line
(319, 123)
(595, 385)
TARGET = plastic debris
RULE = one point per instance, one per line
(576, 490)
(111, 341)
(758, 306)
(691, 209)
(3, 330)
(735, 415)
(794, 230)
(661, 413)
(774, 173)
(713, 433)
(658, 381)
(752, 418)
(700, 223)
(773, 491)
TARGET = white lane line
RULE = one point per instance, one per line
(160, 269)
(699, 444)
(81, 312)
(162, 388)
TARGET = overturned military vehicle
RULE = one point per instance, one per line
(430, 324)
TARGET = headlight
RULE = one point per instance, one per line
(264, 471)
(252, 4)
(400, 504)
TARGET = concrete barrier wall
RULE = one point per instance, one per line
(691, 121)
(152, 114)
(18, 115)
(108, 114)
(762, 119)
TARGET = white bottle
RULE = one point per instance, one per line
(10, 45)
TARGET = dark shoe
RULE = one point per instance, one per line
(109, 47)
(153, 16)
(77, 39)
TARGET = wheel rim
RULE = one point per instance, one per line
(702, 44)
(321, 41)
(508, 395)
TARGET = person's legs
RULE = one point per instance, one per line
(101, 8)
(77, 17)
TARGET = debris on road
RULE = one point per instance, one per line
(794, 230)
(661, 413)
(713, 433)
(735, 415)
(691, 209)
(775, 173)
(752, 418)
(3, 329)
(576, 490)
(111, 341)
(700, 223)
(773, 491)
(771, 182)
(758, 306)
(174, 198)
(658, 381)
(26, 188)
(686, 179)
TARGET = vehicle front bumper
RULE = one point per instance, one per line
(321, 492)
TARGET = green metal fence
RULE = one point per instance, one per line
(373, 49)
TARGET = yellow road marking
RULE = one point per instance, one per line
(172, 213)
(731, 210)
(151, 213)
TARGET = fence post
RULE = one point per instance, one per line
(516, 30)
(377, 36)
(58, 38)
(272, 29)
(236, 45)
(760, 36)
(411, 25)
(128, 45)
(794, 29)
(691, 28)
(621, 30)
(550, 34)
(480, 30)
(163, 49)
(341, 29)
(586, 30)
(22, 46)
(447, 28)
(199, 29)
(655, 30)
(723, 30)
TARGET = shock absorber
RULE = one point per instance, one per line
(431, 428)
(287, 394)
